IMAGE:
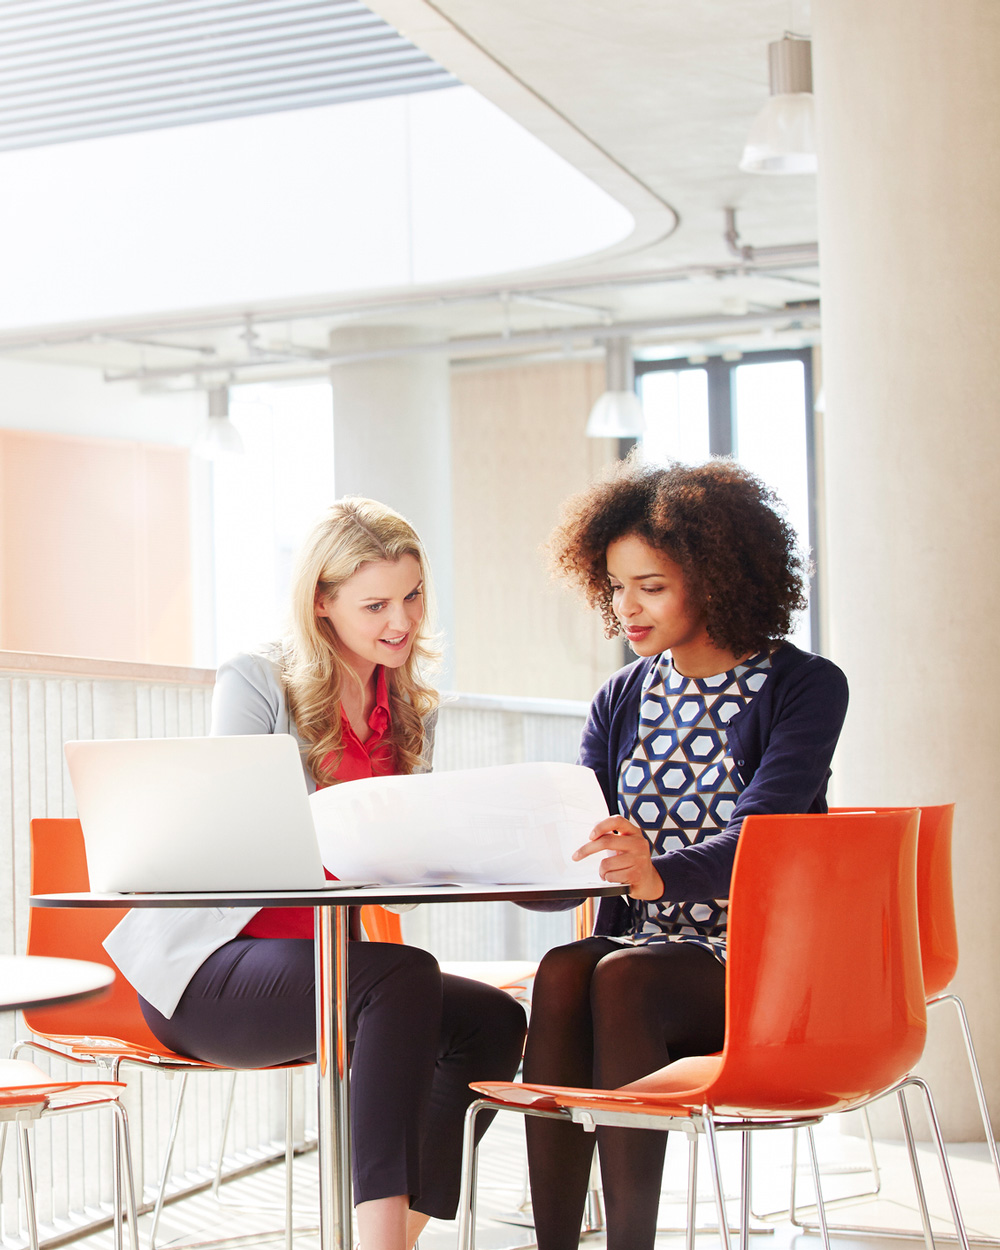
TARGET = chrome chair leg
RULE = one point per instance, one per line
(226, 1120)
(289, 1160)
(692, 1193)
(949, 1182)
(818, 1186)
(593, 1212)
(977, 1079)
(745, 1174)
(125, 1137)
(175, 1120)
(470, 1163)
(28, 1185)
(713, 1157)
(918, 1180)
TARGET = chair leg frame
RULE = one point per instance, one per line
(691, 1126)
(470, 1162)
(960, 1234)
(112, 1064)
(984, 1115)
(286, 1233)
(977, 1080)
(123, 1177)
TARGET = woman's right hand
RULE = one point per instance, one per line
(628, 859)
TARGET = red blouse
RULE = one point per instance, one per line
(371, 758)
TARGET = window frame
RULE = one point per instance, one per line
(721, 437)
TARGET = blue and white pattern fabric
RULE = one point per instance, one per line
(680, 785)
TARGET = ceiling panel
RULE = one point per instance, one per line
(89, 68)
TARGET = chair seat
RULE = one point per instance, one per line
(23, 1084)
(682, 1080)
(515, 1094)
(505, 974)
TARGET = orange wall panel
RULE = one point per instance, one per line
(94, 548)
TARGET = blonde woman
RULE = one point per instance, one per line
(347, 683)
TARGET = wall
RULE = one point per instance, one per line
(908, 100)
(59, 399)
(518, 450)
(95, 548)
(62, 399)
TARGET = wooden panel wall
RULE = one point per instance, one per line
(518, 450)
(95, 553)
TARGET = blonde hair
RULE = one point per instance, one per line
(353, 532)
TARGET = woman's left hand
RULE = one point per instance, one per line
(630, 861)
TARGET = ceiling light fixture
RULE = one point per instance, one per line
(782, 137)
(218, 437)
(618, 412)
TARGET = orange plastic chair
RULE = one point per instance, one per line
(514, 976)
(939, 962)
(28, 1094)
(824, 1002)
(112, 1031)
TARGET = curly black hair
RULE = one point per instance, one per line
(718, 521)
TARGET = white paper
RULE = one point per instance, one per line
(516, 823)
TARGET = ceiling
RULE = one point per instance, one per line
(106, 67)
(652, 100)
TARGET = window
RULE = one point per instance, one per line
(264, 503)
(757, 408)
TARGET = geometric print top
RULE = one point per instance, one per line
(679, 786)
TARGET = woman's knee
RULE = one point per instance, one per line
(565, 971)
(405, 979)
(479, 1017)
(617, 983)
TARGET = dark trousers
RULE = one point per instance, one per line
(603, 1014)
(417, 1039)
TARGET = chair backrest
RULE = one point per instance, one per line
(59, 865)
(381, 925)
(824, 993)
(935, 894)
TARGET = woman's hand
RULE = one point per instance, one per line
(630, 862)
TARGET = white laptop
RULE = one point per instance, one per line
(196, 814)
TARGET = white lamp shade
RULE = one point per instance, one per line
(218, 438)
(617, 414)
(782, 139)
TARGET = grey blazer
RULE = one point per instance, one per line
(157, 950)
(250, 698)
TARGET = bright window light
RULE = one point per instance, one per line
(264, 503)
(676, 406)
(771, 440)
(350, 197)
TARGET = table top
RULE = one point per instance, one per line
(38, 981)
(364, 896)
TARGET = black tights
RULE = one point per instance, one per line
(603, 1014)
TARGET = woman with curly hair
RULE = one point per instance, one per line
(347, 683)
(718, 718)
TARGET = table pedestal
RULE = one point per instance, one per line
(334, 1120)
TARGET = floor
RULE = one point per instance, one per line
(501, 1193)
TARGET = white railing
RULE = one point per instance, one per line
(48, 700)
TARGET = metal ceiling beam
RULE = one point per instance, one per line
(270, 357)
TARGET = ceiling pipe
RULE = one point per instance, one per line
(763, 261)
(565, 336)
(757, 255)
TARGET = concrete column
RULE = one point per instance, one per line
(392, 442)
(908, 93)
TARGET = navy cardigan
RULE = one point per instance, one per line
(781, 744)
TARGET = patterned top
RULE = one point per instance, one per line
(679, 786)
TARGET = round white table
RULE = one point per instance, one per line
(331, 914)
(38, 981)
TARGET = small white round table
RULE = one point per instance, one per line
(38, 981)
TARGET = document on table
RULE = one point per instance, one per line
(512, 824)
